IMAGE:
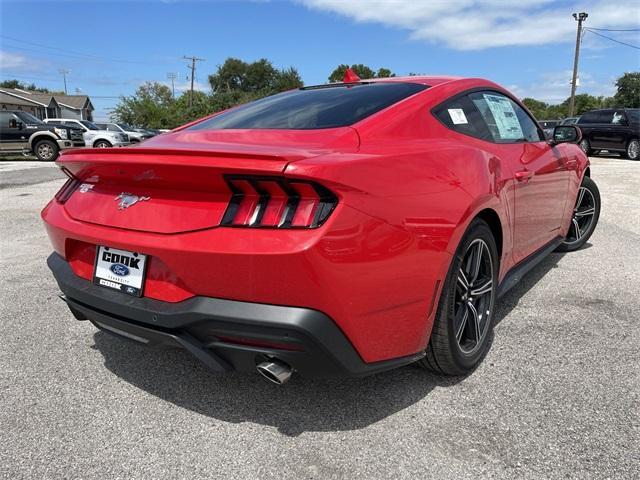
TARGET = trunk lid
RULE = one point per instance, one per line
(175, 182)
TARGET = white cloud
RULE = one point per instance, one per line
(185, 85)
(479, 24)
(555, 87)
(13, 60)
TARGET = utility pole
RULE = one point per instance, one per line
(64, 77)
(193, 74)
(580, 17)
(172, 76)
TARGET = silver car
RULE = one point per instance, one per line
(93, 136)
(135, 136)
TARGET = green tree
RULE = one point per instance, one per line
(363, 71)
(27, 86)
(628, 94)
(384, 73)
(151, 106)
(259, 77)
(537, 107)
(583, 103)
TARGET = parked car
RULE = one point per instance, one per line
(342, 229)
(154, 131)
(93, 136)
(548, 126)
(134, 134)
(569, 121)
(21, 132)
(611, 129)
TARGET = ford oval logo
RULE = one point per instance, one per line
(119, 269)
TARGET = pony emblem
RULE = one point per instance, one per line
(127, 199)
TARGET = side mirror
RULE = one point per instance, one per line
(566, 134)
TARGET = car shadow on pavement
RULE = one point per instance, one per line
(299, 406)
(511, 299)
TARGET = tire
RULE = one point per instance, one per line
(46, 150)
(585, 146)
(633, 149)
(458, 343)
(585, 217)
(102, 144)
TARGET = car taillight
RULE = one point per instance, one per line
(274, 202)
(68, 188)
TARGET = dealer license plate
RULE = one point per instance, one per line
(120, 270)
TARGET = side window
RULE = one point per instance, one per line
(506, 120)
(619, 118)
(71, 124)
(461, 115)
(589, 117)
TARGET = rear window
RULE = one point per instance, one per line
(313, 108)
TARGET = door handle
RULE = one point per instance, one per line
(524, 175)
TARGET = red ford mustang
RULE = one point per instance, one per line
(342, 229)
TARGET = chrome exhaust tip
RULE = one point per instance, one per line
(275, 371)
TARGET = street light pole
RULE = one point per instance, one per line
(580, 17)
(64, 72)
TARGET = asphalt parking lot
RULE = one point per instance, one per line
(557, 397)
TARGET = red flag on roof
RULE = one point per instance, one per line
(350, 76)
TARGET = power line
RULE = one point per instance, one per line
(616, 29)
(613, 39)
(193, 74)
(70, 53)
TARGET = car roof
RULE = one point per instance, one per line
(430, 80)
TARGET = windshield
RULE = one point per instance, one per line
(124, 126)
(89, 125)
(314, 107)
(28, 118)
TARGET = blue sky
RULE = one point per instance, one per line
(110, 48)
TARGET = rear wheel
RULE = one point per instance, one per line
(460, 336)
(585, 217)
(102, 144)
(633, 149)
(46, 150)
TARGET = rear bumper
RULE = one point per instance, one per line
(224, 334)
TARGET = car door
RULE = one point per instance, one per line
(12, 133)
(618, 131)
(601, 131)
(540, 175)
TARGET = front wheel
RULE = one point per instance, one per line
(460, 336)
(46, 150)
(633, 149)
(102, 144)
(585, 217)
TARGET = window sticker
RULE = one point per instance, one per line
(457, 116)
(505, 117)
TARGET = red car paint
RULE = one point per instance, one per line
(407, 189)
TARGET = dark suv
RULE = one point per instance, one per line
(611, 129)
(21, 132)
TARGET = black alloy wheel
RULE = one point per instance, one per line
(461, 332)
(585, 216)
